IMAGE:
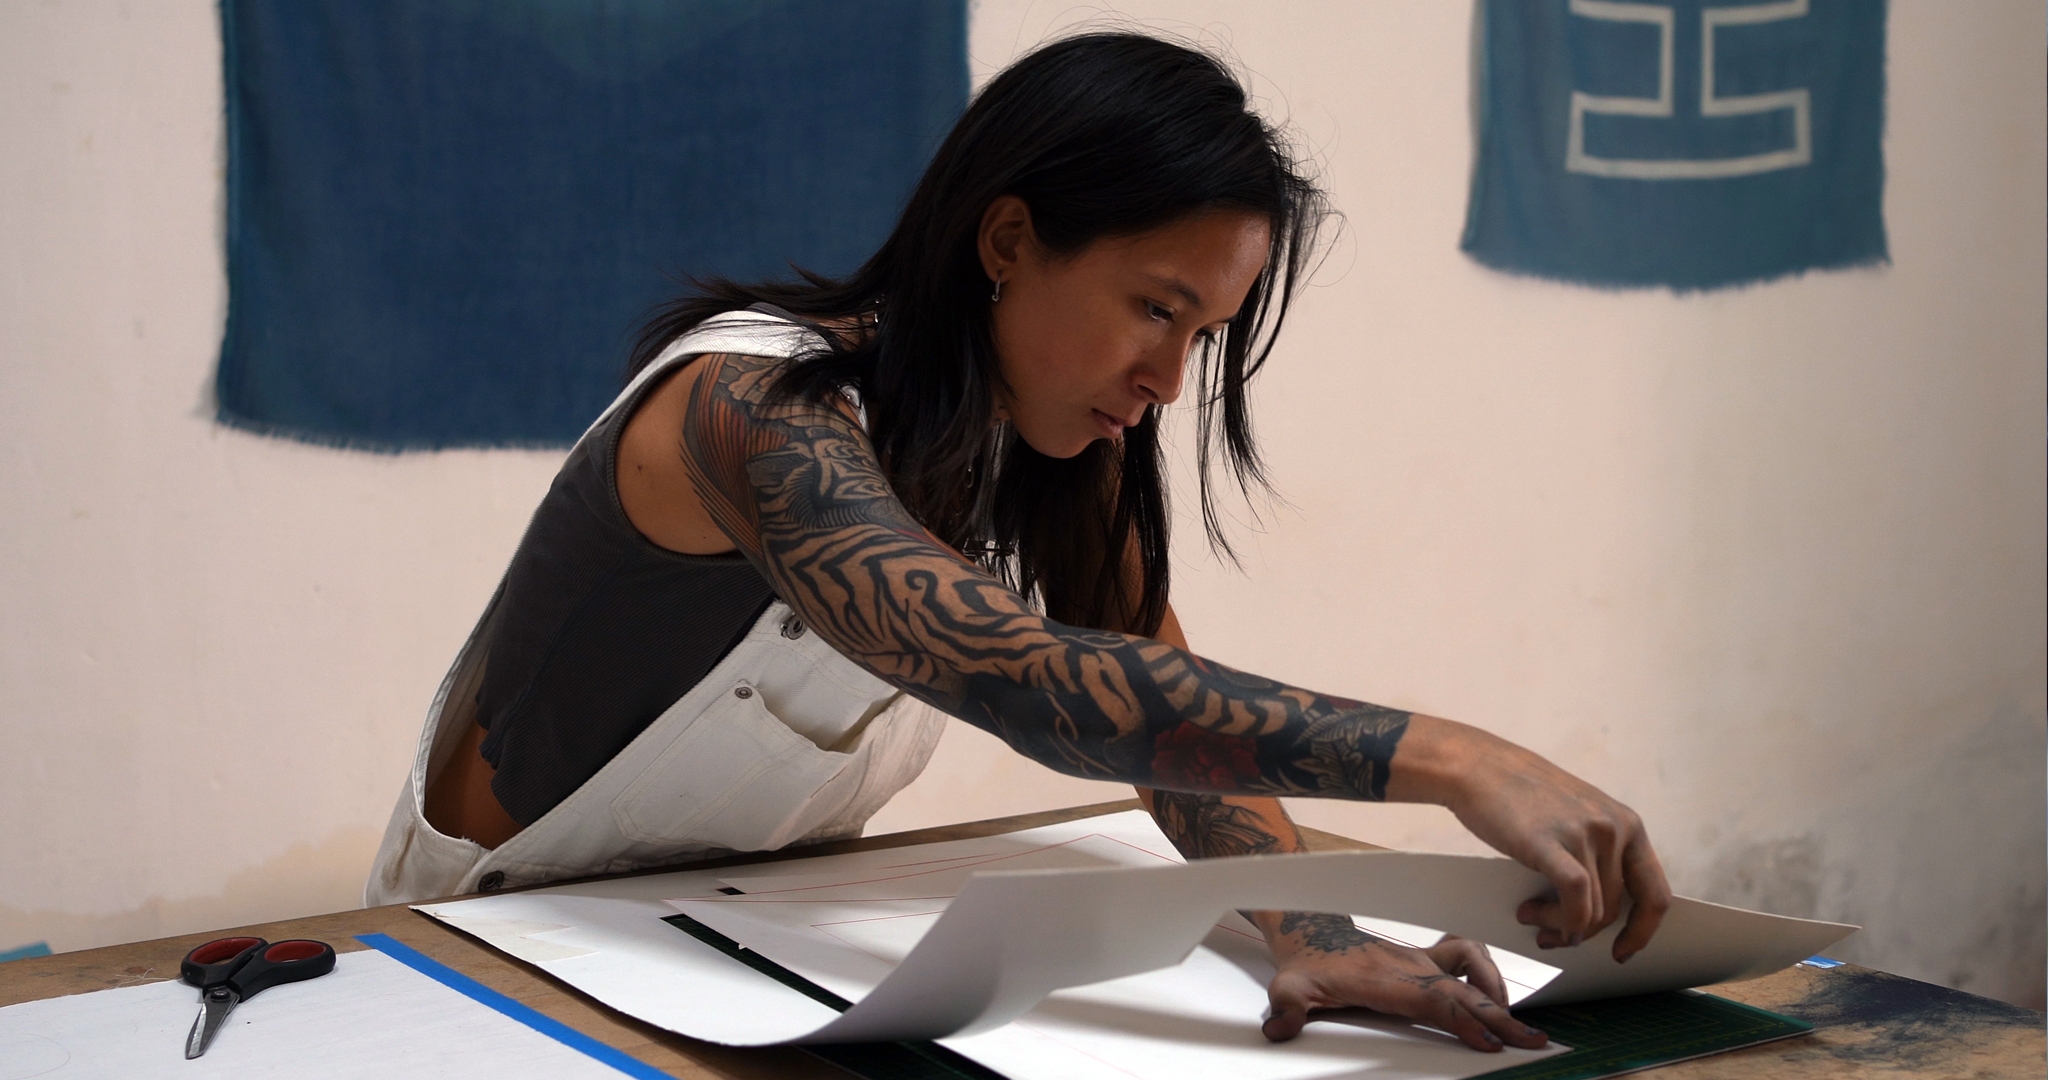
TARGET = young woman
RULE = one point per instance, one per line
(822, 509)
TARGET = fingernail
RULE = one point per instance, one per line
(1533, 1033)
(1576, 938)
(1492, 1039)
(1623, 958)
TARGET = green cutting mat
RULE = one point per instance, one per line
(1607, 1038)
(1622, 1035)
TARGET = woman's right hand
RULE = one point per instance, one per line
(1591, 847)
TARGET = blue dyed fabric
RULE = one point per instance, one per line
(1683, 144)
(447, 217)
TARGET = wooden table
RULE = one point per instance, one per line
(1869, 1022)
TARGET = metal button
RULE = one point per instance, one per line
(492, 881)
(743, 692)
(792, 628)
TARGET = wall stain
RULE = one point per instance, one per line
(1784, 877)
(1873, 1018)
(304, 879)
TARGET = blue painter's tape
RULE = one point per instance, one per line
(1821, 962)
(554, 1029)
(40, 948)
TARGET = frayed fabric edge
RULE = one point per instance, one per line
(1881, 260)
(361, 444)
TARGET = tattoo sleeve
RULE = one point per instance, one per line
(1204, 826)
(795, 485)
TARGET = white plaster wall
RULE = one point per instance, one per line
(215, 649)
(1768, 564)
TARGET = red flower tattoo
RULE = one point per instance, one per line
(1191, 757)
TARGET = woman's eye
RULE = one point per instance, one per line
(1157, 312)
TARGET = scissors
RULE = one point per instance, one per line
(228, 970)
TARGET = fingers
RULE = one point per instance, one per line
(1652, 894)
(1611, 850)
(1472, 1017)
(1591, 848)
(1419, 984)
(1562, 919)
(1467, 958)
(1546, 914)
(1470, 961)
(1631, 871)
(1290, 1001)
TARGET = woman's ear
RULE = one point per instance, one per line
(1005, 234)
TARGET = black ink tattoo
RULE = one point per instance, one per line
(1325, 933)
(1212, 826)
(1205, 826)
(795, 485)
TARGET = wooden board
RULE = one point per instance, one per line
(1870, 1022)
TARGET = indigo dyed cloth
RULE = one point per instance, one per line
(40, 948)
(1686, 144)
(447, 217)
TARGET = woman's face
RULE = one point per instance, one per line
(1086, 342)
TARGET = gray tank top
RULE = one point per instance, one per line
(598, 630)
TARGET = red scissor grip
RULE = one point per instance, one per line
(283, 962)
(211, 964)
(213, 952)
(285, 951)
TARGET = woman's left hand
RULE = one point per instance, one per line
(1326, 962)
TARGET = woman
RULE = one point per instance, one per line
(821, 507)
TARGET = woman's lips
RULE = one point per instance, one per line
(1110, 426)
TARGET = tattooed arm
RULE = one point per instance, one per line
(795, 486)
(1325, 960)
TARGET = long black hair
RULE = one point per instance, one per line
(1101, 135)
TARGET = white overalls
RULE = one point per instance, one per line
(784, 742)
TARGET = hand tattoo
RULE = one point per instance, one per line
(1326, 933)
(795, 485)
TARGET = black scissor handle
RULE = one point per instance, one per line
(279, 963)
(217, 961)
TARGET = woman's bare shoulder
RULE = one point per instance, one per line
(654, 486)
(654, 481)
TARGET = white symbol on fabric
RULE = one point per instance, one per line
(1798, 100)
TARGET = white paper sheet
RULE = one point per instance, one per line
(1199, 1020)
(942, 879)
(1026, 925)
(1115, 908)
(373, 1019)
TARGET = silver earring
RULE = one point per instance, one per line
(997, 296)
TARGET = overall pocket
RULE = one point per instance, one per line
(738, 778)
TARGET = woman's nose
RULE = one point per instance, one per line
(1158, 375)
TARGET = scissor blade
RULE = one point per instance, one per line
(213, 1012)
